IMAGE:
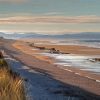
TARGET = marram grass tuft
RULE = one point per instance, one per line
(11, 84)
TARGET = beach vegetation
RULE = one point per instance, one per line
(11, 84)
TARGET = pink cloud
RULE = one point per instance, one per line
(50, 19)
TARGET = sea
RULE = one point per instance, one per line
(95, 43)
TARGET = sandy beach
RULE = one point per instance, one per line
(82, 50)
(74, 49)
(84, 81)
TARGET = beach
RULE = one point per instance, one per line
(70, 55)
(82, 50)
(86, 82)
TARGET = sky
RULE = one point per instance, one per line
(50, 16)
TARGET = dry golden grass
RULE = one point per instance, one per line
(11, 84)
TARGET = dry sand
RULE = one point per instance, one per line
(75, 49)
(30, 50)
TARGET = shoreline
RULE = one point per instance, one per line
(38, 54)
(84, 73)
(75, 49)
(59, 74)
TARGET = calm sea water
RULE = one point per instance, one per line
(88, 43)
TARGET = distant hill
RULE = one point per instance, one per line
(85, 35)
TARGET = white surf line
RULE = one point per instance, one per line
(98, 81)
(82, 75)
(90, 77)
(68, 70)
(71, 71)
(78, 74)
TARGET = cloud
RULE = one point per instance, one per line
(50, 19)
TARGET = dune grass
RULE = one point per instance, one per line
(11, 84)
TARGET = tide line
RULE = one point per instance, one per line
(82, 76)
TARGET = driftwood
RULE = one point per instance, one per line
(95, 60)
(32, 44)
(51, 50)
